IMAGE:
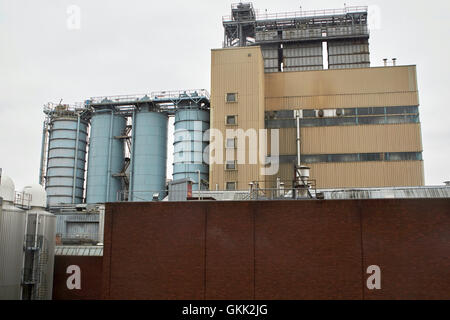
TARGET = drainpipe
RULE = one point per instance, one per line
(297, 118)
(133, 135)
(43, 153)
(108, 180)
(75, 159)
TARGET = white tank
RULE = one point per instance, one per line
(40, 247)
(12, 234)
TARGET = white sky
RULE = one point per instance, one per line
(127, 47)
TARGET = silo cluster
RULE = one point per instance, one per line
(126, 146)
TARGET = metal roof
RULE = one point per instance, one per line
(387, 193)
(96, 251)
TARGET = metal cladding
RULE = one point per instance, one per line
(12, 232)
(149, 155)
(39, 255)
(190, 126)
(66, 160)
(106, 156)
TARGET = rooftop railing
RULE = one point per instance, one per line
(304, 14)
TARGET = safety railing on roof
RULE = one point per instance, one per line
(159, 95)
(303, 14)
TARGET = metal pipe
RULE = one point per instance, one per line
(75, 160)
(108, 172)
(297, 117)
(24, 255)
(133, 135)
(43, 153)
(199, 185)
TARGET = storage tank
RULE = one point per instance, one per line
(149, 155)
(39, 247)
(12, 235)
(106, 156)
(66, 157)
(190, 125)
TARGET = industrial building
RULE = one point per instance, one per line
(357, 126)
(292, 91)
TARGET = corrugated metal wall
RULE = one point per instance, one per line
(366, 87)
(270, 55)
(358, 174)
(348, 54)
(237, 70)
(301, 57)
(352, 139)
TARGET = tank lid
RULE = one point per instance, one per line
(7, 188)
(38, 195)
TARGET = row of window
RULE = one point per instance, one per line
(353, 157)
(342, 121)
(343, 112)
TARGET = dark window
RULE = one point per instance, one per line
(231, 97)
(231, 165)
(231, 186)
(231, 120)
(309, 113)
(372, 120)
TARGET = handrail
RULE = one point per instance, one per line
(302, 14)
(158, 95)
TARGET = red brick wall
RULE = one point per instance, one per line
(277, 249)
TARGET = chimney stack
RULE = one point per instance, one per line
(394, 60)
(385, 62)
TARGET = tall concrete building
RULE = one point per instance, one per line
(358, 125)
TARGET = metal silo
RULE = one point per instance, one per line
(12, 235)
(190, 126)
(106, 156)
(66, 156)
(39, 254)
(149, 155)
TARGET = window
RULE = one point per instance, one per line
(231, 120)
(231, 143)
(230, 165)
(231, 97)
(231, 186)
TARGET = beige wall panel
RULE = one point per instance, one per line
(359, 174)
(341, 81)
(342, 101)
(352, 139)
(236, 70)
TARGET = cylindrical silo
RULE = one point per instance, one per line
(149, 155)
(106, 156)
(190, 126)
(12, 236)
(39, 254)
(66, 157)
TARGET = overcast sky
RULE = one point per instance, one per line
(132, 46)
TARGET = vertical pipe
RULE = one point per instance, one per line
(108, 172)
(23, 255)
(75, 160)
(43, 153)
(199, 184)
(297, 117)
(133, 135)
